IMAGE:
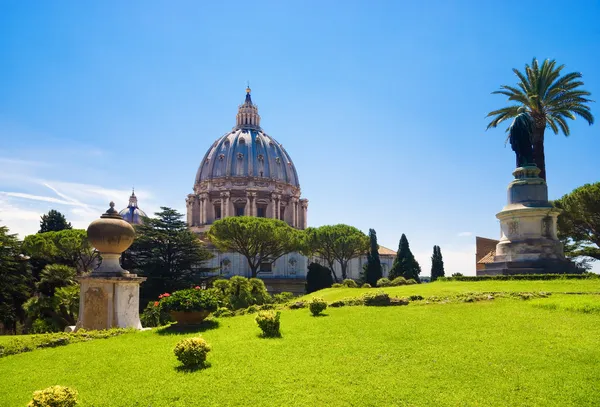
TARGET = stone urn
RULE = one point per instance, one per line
(111, 236)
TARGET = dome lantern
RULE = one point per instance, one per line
(248, 117)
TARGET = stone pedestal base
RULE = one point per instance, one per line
(528, 243)
(109, 302)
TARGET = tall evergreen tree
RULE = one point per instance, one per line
(373, 267)
(167, 253)
(54, 221)
(437, 264)
(15, 280)
(405, 265)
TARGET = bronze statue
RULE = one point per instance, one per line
(519, 134)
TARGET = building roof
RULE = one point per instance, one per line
(488, 258)
(384, 251)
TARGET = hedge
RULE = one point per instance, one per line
(530, 277)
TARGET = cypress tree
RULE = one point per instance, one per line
(405, 265)
(54, 221)
(437, 264)
(373, 266)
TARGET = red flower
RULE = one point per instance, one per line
(166, 295)
(156, 303)
(160, 296)
(197, 287)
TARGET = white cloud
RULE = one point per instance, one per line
(465, 234)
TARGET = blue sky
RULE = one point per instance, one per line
(381, 105)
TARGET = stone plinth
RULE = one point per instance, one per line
(109, 295)
(528, 242)
(109, 302)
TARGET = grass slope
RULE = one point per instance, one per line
(455, 287)
(493, 353)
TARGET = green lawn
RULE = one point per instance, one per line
(455, 287)
(505, 352)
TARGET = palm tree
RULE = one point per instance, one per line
(549, 98)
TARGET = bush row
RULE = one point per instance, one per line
(31, 342)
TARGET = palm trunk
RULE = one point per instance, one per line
(538, 150)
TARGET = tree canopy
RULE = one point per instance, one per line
(405, 265)
(167, 253)
(549, 98)
(340, 243)
(579, 222)
(373, 270)
(259, 240)
(318, 278)
(53, 221)
(69, 247)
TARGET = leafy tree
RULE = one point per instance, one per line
(373, 270)
(318, 278)
(15, 280)
(259, 240)
(437, 264)
(405, 265)
(579, 222)
(167, 253)
(340, 243)
(54, 221)
(69, 247)
(549, 98)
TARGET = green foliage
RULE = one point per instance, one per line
(405, 265)
(383, 282)
(257, 239)
(340, 243)
(191, 299)
(318, 278)
(55, 276)
(349, 283)
(579, 222)
(373, 271)
(549, 98)
(15, 280)
(28, 343)
(437, 264)
(221, 285)
(366, 285)
(167, 253)
(69, 247)
(297, 305)
(317, 306)
(398, 281)
(223, 312)
(284, 297)
(377, 299)
(55, 396)
(54, 221)
(258, 292)
(268, 322)
(155, 315)
(191, 352)
(337, 285)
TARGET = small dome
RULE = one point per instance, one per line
(132, 213)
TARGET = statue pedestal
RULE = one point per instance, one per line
(528, 243)
(109, 302)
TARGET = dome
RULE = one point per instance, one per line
(132, 213)
(247, 152)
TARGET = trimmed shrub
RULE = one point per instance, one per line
(337, 304)
(378, 299)
(415, 298)
(528, 277)
(317, 278)
(223, 312)
(349, 283)
(383, 282)
(411, 281)
(394, 301)
(350, 301)
(265, 307)
(252, 309)
(336, 285)
(191, 352)
(317, 305)
(365, 285)
(191, 299)
(268, 322)
(398, 281)
(55, 396)
(297, 305)
(283, 297)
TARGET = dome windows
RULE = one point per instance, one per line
(240, 156)
(261, 158)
